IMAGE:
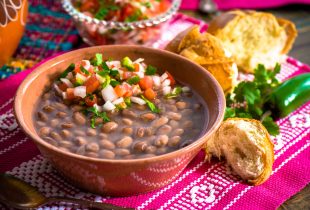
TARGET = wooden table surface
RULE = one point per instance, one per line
(300, 15)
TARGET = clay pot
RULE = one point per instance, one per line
(13, 14)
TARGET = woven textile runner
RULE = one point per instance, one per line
(201, 185)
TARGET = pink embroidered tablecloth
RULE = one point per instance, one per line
(201, 185)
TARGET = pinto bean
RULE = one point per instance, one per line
(91, 132)
(92, 147)
(44, 131)
(140, 132)
(54, 123)
(46, 96)
(80, 141)
(67, 125)
(103, 135)
(129, 113)
(165, 129)
(161, 140)
(150, 149)
(148, 116)
(178, 132)
(107, 154)
(121, 152)
(172, 108)
(65, 133)
(170, 101)
(106, 144)
(128, 157)
(124, 142)
(61, 114)
(140, 107)
(109, 127)
(40, 123)
(98, 121)
(186, 112)
(127, 121)
(174, 116)
(55, 136)
(60, 106)
(48, 108)
(79, 133)
(76, 108)
(149, 131)
(66, 144)
(81, 150)
(160, 121)
(92, 154)
(127, 130)
(161, 150)
(43, 117)
(51, 141)
(174, 124)
(181, 105)
(79, 118)
(188, 124)
(174, 141)
(140, 146)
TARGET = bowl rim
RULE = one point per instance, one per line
(156, 20)
(38, 140)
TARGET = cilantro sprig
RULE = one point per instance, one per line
(151, 105)
(249, 98)
(96, 114)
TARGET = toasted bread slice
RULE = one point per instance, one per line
(254, 37)
(207, 51)
(246, 146)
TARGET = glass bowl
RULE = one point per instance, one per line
(101, 32)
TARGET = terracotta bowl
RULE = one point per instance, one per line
(120, 177)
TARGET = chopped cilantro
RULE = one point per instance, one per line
(151, 105)
(150, 70)
(114, 82)
(106, 82)
(147, 4)
(97, 60)
(102, 13)
(135, 16)
(175, 92)
(114, 73)
(127, 62)
(70, 68)
(84, 70)
(127, 101)
(97, 114)
(133, 80)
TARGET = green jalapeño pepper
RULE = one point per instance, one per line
(289, 95)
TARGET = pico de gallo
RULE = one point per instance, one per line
(111, 85)
(122, 10)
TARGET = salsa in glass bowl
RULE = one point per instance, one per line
(102, 22)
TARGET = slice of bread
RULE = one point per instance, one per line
(246, 146)
(207, 51)
(254, 37)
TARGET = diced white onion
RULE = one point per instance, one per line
(100, 78)
(69, 75)
(166, 82)
(166, 90)
(164, 76)
(115, 64)
(118, 101)
(86, 64)
(64, 95)
(137, 100)
(156, 80)
(108, 93)
(139, 60)
(140, 74)
(108, 106)
(79, 76)
(136, 90)
(80, 91)
(96, 106)
(186, 89)
(67, 82)
(57, 89)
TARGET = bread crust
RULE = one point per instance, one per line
(267, 155)
(207, 51)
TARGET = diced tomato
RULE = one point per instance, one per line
(127, 11)
(149, 94)
(120, 90)
(77, 68)
(88, 5)
(91, 69)
(137, 66)
(62, 86)
(170, 77)
(146, 82)
(91, 84)
(70, 93)
(128, 89)
(126, 75)
(91, 100)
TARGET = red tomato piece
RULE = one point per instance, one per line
(62, 86)
(91, 100)
(91, 84)
(146, 82)
(170, 77)
(150, 94)
(137, 66)
(128, 90)
(119, 90)
(70, 93)
(126, 75)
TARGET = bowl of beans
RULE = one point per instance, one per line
(119, 120)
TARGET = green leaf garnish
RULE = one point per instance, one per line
(70, 68)
(114, 73)
(106, 82)
(151, 105)
(97, 114)
(97, 61)
(150, 70)
(174, 93)
(102, 13)
(84, 70)
(114, 82)
(127, 101)
(133, 80)
(127, 62)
